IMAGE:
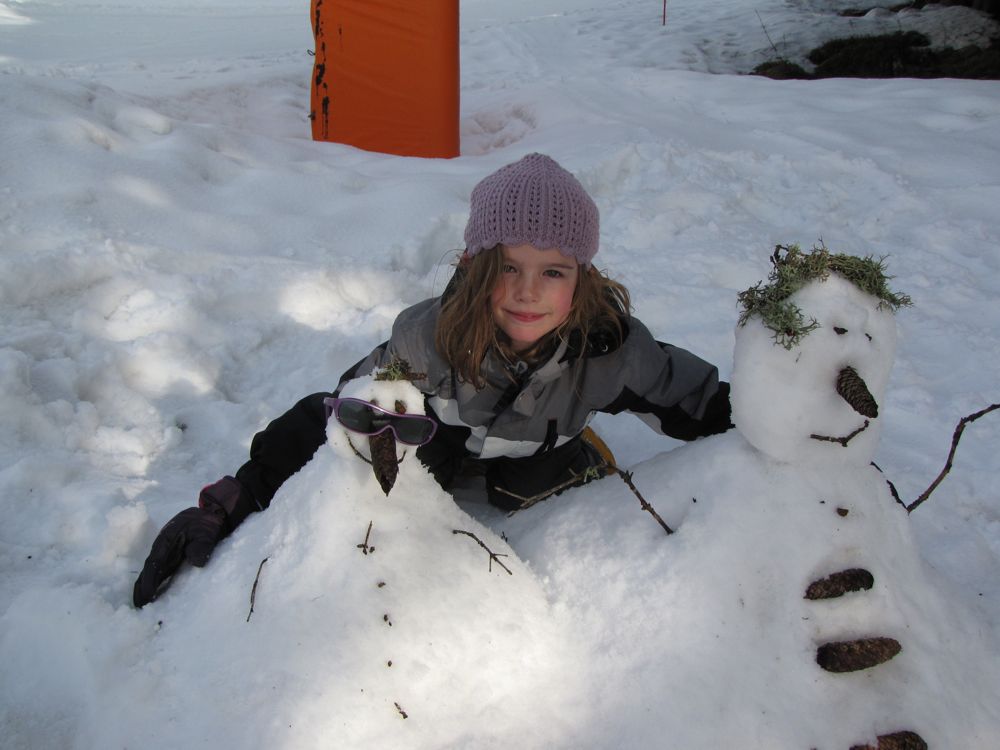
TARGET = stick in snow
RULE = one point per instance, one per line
(253, 591)
(364, 546)
(493, 555)
(627, 478)
(527, 502)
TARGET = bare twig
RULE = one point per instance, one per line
(892, 487)
(627, 478)
(493, 555)
(767, 35)
(607, 468)
(842, 440)
(358, 453)
(365, 458)
(401, 711)
(364, 546)
(253, 591)
(959, 429)
(527, 502)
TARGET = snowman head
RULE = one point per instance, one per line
(370, 404)
(814, 348)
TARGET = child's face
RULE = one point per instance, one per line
(535, 293)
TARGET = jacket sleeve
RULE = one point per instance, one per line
(282, 448)
(669, 388)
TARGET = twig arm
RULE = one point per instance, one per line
(959, 429)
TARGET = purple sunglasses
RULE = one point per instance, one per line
(366, 418)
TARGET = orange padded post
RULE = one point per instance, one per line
(386, 75)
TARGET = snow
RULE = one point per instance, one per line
(179, 263)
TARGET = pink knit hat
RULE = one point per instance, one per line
(535, 202)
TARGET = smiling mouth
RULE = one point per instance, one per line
(842, 440)
(525, 317)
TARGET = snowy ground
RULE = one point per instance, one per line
(179, 263)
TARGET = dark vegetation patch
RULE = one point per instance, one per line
(902, 54)
(781, 70)
(987, 6)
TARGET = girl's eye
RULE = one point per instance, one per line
(554, 274)
(508, 268)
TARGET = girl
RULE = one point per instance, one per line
(526, 344)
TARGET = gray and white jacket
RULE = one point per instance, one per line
(526, 421)
(522, 430)
(523, 412)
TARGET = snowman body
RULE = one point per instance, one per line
(398, 627)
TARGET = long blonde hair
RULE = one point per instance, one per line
(466, 330)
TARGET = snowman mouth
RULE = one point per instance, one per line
(852, 388)
(843, 441)
(365, 458)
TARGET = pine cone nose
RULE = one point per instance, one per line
(383, 452)
(853, 389)
(384, 463)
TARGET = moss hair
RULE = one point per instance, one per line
(792, 269)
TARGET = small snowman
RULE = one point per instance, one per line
(398, 616)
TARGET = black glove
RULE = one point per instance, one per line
(191, 535)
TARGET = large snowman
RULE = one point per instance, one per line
(814, 349)
(791, 595)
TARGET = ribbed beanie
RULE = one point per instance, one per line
(536, 202)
